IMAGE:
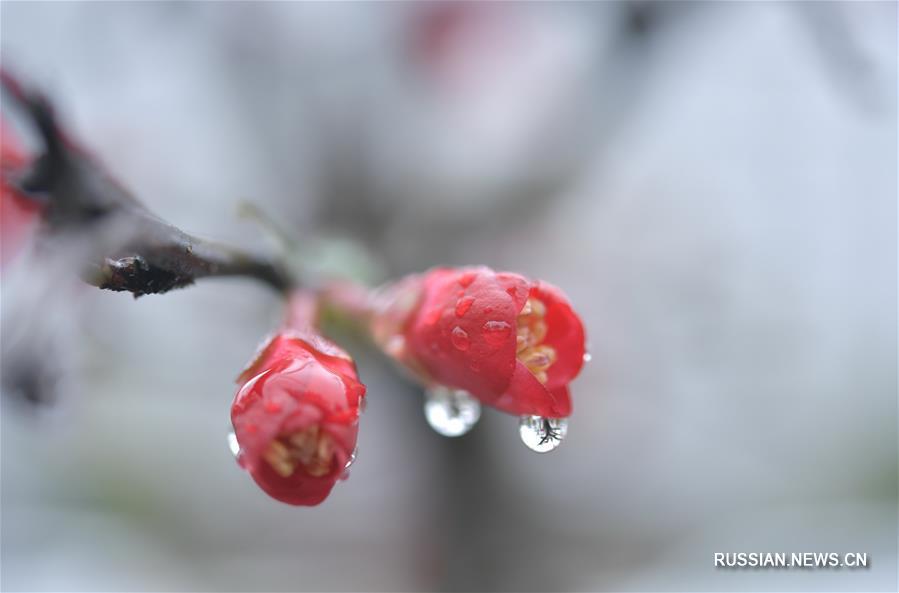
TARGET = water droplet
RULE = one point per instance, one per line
(587, 357)
(346, 468)
(460, 339)
(272, 407)
(463, 306)
(497, 332)
(542, 434)
(451, 412)
(474, 365)
(233, 445)
(467, 278)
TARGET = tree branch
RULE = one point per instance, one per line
(133, 250)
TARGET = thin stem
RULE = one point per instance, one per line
(348, 301)
(302, 310)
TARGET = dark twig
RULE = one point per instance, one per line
(550, 434)
(133, 250)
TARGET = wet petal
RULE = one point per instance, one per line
(565, 334)
(527, 396)
(451, 342)
(298, 392)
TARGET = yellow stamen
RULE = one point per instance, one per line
(311, 448)
(277, 456)
(538, 358)
(523, 339)
(526, 310)
(531, 331)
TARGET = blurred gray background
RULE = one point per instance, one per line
(713, 185)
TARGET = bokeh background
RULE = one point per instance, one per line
(714, 186)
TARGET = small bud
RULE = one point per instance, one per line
(296, 416)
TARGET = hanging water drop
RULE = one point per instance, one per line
(233, 445)
(542, 434)
(587, 357)
(451, 412)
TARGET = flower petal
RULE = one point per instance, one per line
(296, 388)
(298, 489)
(273, 348)
(528, 396)
(464, 331)
(516, 286)
(565, 333)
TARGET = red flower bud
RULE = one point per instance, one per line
(296, 416)
(18, 214)
(513, 343)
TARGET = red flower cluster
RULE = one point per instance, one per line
(513, 343)
(18, 214)
(296, 416)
